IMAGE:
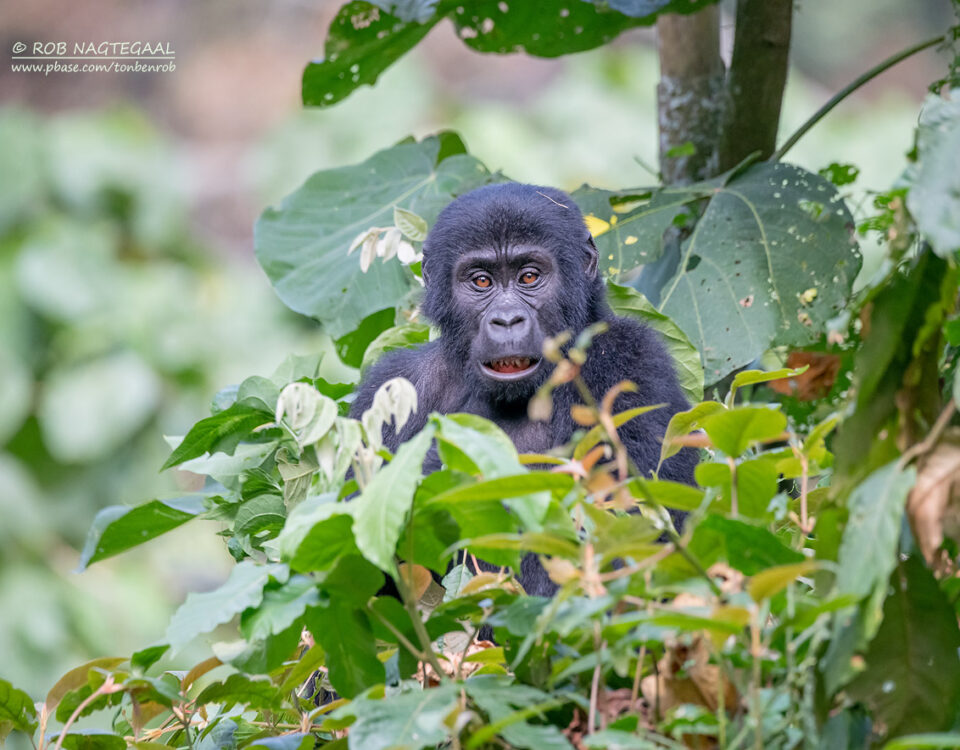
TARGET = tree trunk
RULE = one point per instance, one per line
(690, 96)
(758, 74)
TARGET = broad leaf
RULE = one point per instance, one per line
(734, 430)
(279, 609)
(302, 245)
(347, 638)
(868, 550)
(934, 197)
(201, 613)
(912, 679)
(118, 528)
(769, 263)
(411, 720)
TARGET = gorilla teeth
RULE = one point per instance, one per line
(511, 364)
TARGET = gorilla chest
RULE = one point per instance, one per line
(527, 436)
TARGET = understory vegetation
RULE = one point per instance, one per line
(809, 599)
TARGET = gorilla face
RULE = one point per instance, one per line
(505, 266)
(506, 298)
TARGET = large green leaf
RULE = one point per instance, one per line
(118, 528)
(411, 720)
(279, 609)
(347, 637)
(362, 42)
(303, 244)
(504, 704)
(868, 551)
(934, 197)
(912, 679)
(686, 359)
(382, 508)
(201, 613)
(735, 429)
(365, 38)
(770, 262)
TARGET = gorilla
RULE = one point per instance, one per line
(505, 266)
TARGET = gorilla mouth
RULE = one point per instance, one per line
(510, 368)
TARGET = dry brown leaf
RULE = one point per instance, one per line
(933, 506)
(417, 578)
(813, 383)
(701, 684)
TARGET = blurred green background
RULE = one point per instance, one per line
(128, 289)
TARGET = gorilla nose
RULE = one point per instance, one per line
(506, 327)
(507, 321)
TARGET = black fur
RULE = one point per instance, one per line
(505, 221)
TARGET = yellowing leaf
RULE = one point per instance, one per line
(771, 581)
(595, 225)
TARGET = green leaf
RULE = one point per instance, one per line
(750, 549)
(668, 494)
(868, 551)
(734, 430)
(91, 739)
(769, 582)
(508, 707)
(503, 488)
(540, 543)
(347, 638)
(238, 688)
(279, 609)
(118, 528)
(617, 739)
(295, 741)
(767, 238)
(145, 658)
(302, 245)
(469, 443)
(685, 422)
(411, 720)
(752, 377)
(201, 613)
(398, 337)
(17, 708)
(413, 227)
(382, 508)
(362, 41)
(934, 197)
(263, 512)
(912, 679)
(352, 347)
(266, 655)
(686, 359)
(219, 433)
(934, 741)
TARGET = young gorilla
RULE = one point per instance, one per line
(505, 266)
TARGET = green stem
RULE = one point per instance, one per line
(850, 88)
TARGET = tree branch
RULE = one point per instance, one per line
(755, 83)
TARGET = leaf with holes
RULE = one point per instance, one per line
(769, 263)
(302, 245)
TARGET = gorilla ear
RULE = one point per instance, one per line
(593, 257)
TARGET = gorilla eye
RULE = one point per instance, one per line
(529, 277)
(482, 281)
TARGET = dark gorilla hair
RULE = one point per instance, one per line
(505, 266)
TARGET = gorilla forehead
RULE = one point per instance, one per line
(504, 215)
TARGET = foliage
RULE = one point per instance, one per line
(808, 599)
